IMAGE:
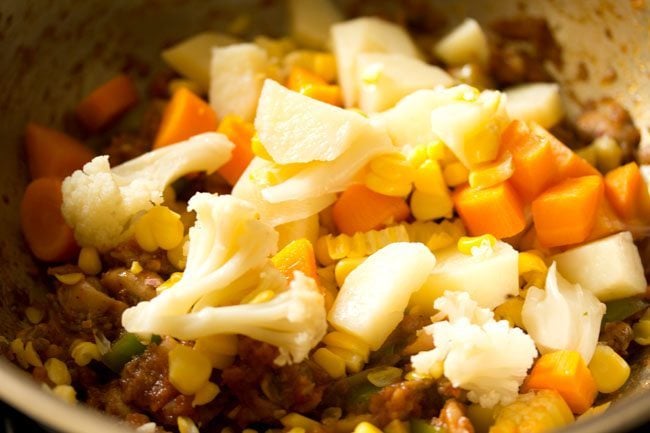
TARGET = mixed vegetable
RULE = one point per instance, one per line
(338, 240)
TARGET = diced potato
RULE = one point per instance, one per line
(487, 279)
(237, 75)
(610, 268)
(311, 21)
(471, 128)
(372, 300)
(294, 128)
(365, 35)
(384, 79)
(303, 228)
(191, 57)
(465, 44)
(538, 102)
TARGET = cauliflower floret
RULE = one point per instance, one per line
(101, 203)
(488, 358)
(227, 259)
(576, 314)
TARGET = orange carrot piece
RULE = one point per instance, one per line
(297, 255)
(627, 192)
(565, 213)
(533, 160)
(567, 373)
(185, 116)
(107, 102)
(240, 133)
(606, 222)
(496, 210)
(309, 84)
(52, 153)
(48, 236)
(360, 209)
(569, 164)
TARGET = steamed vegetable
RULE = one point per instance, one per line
(372, 300)
(240, 133)
(576, 316)
(488, 277)
(227, 259)
(489, 359)
(465, 44)
(610, 268)
(533, 412)
(107, 102)
(535, 102)
(100, 203)
(311, 21)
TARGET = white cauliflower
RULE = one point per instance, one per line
(576, 316)
(228, 258)
(488, 358)
(101, 203)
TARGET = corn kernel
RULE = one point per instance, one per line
(189, 370)
(366, 427)
(426, 206)
(57, 372)
(436, 150)
(510, 310)
(297, 430)
(69, 279)
(89, 261)
(160, 227)
(393, 167)
(136, 267)
(608, 153)
(347, 342)
(469, 245)
(641, 330)
(428, 178)
(84, 352)
(353, 361)
(609, 370)
(173, 279)
(17, 346)
(179, 83)
(178, 256)
(186, 425)
(275, 47)
(493, 173)
(417, 156)
(386, 186)
(206, 394)
(589, 154)
(344, 267)
(30, 355)
(333, 364)
(65, 393)
(296, 420)
(34, 315)
(530, 261)
(455, 174)
(258, 148)
(438, 241)
(397, 426)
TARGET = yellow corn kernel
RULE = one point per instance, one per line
(388, 187)
(160, 227)
(178, 256)
(397, 426)
(344, 267)
(534, 412)
(589, 154)
(331, 248)
(390, 175)
(69, 279)
(34, 315)
(417, 156)
(530, 261)
(412, 375)
(297, 430)
(57, 372)
(608, 153)
(220, 349)
(436, 369)
(510, 310)
(65, 393)
(136, 267)
(325, 66)
(455, 174)
(428, 178)
(31, 356)
(258, 297)
(492, 173)
(293, 419)
(333, 364)
(347, 342)
(89, 261)
(186, 425)
(436, 150)
(454, 227)
(425, 206)
(469, 245)
(258, 148)
(206, 394)
(173, 279)
(275, 47)
(609, 370)
(189, 369)
(366, 427)
(84, 352)
(353, 361)
(179, 83)
(641, 329)
(17, 346)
